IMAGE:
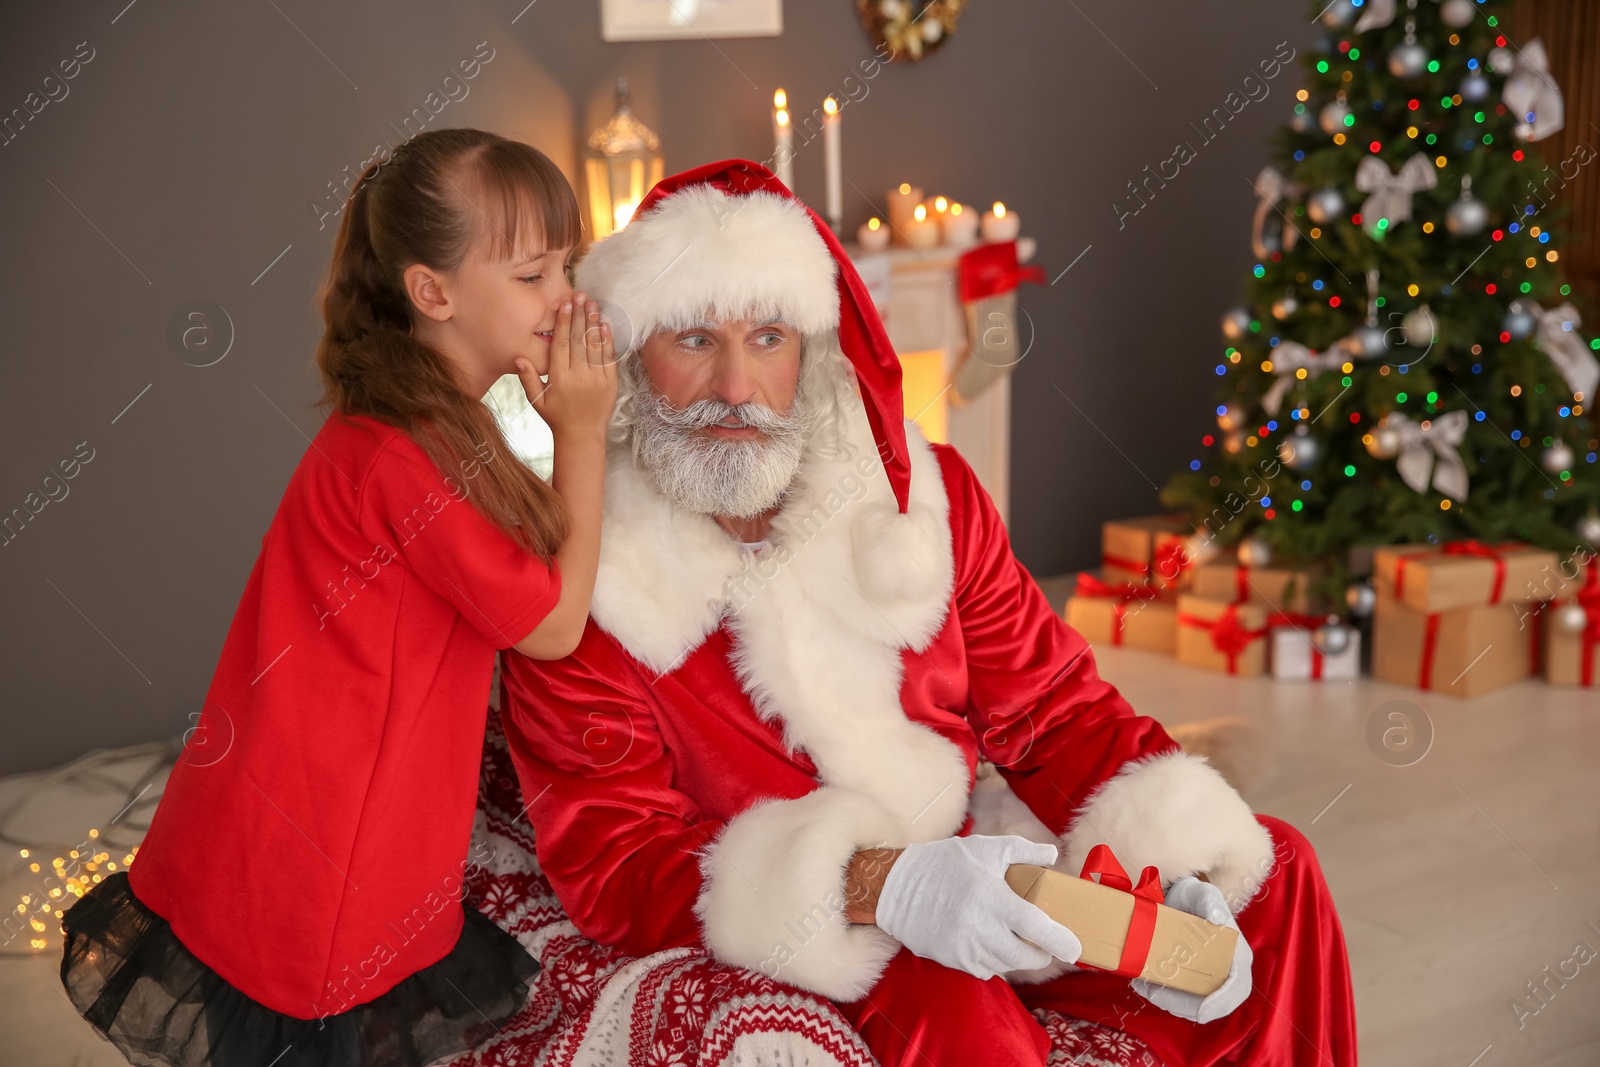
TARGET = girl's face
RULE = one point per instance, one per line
(485, 314)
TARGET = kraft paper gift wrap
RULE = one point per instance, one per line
(1147, 549)
(1461, 574)
(1222, 636)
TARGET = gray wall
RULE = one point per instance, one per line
(194, 148)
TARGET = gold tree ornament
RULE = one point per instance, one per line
(909, 28)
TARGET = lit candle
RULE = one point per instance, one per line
(922, 231)
(834, 201)
(873, 235)
(901, 202)
(1000, 224)
(960, 225)
(783, 136)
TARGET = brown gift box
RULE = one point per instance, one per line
(1128, 549)
(1441, 577)
(1277, 588)
(1186, 951)
(1133, 618)
(1204, 635)
(1574, 658)
(1473, 649)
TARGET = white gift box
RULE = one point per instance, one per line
(1296, 658)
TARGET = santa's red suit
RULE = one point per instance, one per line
(735, 725)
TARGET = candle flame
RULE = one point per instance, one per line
(955, 209)
(830, 105)
(999, 210)
(941, 204)
(780, 99)
(783, 117)
(905, 188)
(874, 223)
(920, 214)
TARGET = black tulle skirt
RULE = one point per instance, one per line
(131, 977)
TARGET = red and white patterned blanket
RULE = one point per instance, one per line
(592, 1006)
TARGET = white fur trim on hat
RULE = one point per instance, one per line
(701, 253)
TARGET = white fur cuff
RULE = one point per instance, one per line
(1175, 812)
(774, 897)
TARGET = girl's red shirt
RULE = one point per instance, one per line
(312, 838)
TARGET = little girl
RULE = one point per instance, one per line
(296, 902)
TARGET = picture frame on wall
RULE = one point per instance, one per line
(669, 20)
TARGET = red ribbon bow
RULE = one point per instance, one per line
(1228, 635)
(1142, 925)
(1172, 558)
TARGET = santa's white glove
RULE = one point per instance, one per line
(948, 901)
(1205, 900)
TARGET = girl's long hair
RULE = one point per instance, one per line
(439, 195)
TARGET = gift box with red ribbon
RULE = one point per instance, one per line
(1459, 574)
(1465, 651)
(1152, 549)
(1278, 588)
(1222, 636)
(1294, 654)
(1125, 928)
(1128, 614)
(1574, 657)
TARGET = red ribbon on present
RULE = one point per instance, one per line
(1301, 622)
(1123, 563)
(1589, 600)
(1122, 592)
(1142, 924)
(1172, 559)
(1430, 644)
(1228, 635)
(1469, 547)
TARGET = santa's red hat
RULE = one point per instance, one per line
(729, 240)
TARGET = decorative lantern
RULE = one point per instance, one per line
(622, 162)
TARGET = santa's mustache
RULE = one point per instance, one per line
(711, 411)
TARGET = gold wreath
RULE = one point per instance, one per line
(910, 28)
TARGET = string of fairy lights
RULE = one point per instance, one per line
(56, 874)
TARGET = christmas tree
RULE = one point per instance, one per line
(1408, 366)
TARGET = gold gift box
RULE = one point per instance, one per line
(1186, 951)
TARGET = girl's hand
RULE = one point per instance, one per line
(581, 388)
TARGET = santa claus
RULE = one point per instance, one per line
(820, 707)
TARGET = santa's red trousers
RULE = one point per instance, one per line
(1299, 1012)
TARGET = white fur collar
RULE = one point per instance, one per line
(819, 620)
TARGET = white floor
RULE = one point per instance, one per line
(1460, 877)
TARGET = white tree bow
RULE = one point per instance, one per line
(1391, 192)
(1429, 454)
(1557, 337)
(1530, 88)
(1377, 13)
(1288, 359)
(1272, 187)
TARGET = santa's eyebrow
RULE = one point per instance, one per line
(706, 324)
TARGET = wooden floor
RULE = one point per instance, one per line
(1460, 878)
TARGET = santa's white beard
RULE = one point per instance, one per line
(720, 476)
